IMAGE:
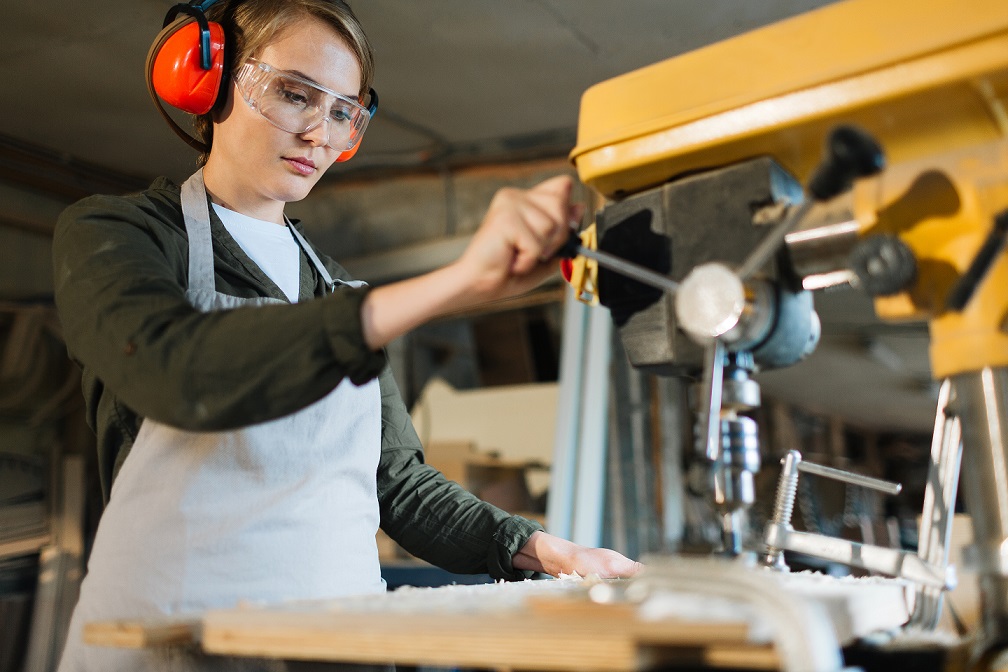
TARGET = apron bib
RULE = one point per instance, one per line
(281, 510)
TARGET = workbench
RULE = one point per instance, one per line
(565, 624)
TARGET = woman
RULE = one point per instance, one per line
(251, 438)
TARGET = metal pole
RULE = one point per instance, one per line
(939, 507)
(981, 403)
(560, 506)
(589, 488)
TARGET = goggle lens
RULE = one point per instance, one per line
(296, 105)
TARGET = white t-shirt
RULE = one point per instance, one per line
(269, 245)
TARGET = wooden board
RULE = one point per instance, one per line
(139, 634)
(532, 625)
(535, 625)
(593, 641)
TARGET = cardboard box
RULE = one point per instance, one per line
(501, 482)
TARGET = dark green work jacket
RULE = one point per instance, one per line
(120, 267)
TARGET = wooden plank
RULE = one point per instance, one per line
(139, 634)
(532, 625)
(517, 641)
(549, 626)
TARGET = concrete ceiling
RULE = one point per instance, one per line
(461, 81)
(470, 78)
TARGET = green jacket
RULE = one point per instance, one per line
(120, 267)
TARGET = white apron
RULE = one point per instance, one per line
(282, 510)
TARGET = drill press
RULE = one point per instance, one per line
(702, 159)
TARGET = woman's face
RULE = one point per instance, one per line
(256, 167)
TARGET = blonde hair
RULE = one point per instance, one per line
(250, 25)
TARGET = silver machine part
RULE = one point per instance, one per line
(772, 242)
(713, 303)
(710, 302)
(709, 420)
(728, 443)
(779, 536)
(887, 561)
(939, 506)
(629, 269)
(787, 488)
(887, 487)
(734, 486)
(819, 249)
(980, 401)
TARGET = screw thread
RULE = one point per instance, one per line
(787, 487)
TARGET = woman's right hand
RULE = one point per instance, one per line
(513, 249)
(509, 254)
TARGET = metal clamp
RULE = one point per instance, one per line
(780, 536)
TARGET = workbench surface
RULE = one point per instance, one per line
(543, 625)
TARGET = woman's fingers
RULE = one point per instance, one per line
(523, 228)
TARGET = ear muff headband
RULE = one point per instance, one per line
(195, 12)
(185, 65)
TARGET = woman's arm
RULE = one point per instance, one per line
(119, 278)
(509, 254)
(437, 520)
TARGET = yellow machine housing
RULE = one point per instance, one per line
(927, 78)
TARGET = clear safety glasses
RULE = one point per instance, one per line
(297, 105)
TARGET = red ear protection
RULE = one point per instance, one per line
(347, 155)
(178, 76)
(186, 67)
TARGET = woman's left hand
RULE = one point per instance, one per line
(555, 556)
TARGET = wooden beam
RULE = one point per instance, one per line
(60, 175)
(142, 634)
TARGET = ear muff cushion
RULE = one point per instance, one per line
(348, 154)
(373, 108)
(177, 75)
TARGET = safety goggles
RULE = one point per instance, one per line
(297, 105)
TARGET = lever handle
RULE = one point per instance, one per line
(850, 153)
(992, 247)
(887, 487)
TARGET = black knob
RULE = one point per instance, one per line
(850, 153)
(571, 247)
(884, 265)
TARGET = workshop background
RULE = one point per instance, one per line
(475, 95)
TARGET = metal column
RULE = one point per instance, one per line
(980, 400)
(577, 485)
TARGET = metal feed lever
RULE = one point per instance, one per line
(574, 248)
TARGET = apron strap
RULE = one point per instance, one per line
(197, 223)
(319, 266)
